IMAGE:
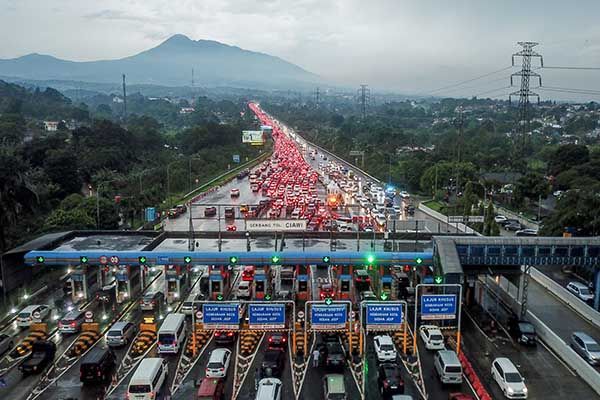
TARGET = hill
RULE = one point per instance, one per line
(170, 64)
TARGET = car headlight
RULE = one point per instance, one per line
(524, 390)
(510, 390)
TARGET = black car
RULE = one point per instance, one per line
(229, 213)
(277, 340)
(334, 356)
(389, 380)
(97, 366)
(272, 364)
(210, 211)
(513, 226)
(225, 337)
(522, 331)
(42, 354)
(508, 221)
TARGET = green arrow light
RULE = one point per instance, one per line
(328, 301)
(438, 279)
(83, 259)
(220, 297)
(187, 259)
(419, 260)
(384, 296)
(275, 259)
(267, 297)
(142, 259)
(371, 258)
(233, 260)
(40, 259)
(326, 259)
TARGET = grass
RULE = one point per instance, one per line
(436, 206)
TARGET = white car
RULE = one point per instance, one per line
(509, 379)
(384, 347)
(33, 313)
(218, 363)
(500, 218)
(243, 291)
(580, 290)
(405, 195)
(432, 337)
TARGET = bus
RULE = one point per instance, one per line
(171, 334)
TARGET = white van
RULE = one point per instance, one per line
(509, 379)
(147, 379)
(171, 334)
(447, 366)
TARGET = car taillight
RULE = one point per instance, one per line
(229, 333)
(283, 339)
(73, 324)
(270, 339)
(386, 384)
(217, 334)
(98, 374)
(151, 395)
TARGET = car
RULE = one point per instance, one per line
(580, 290)
(333, 355)
(508, 221)
(384, 348)
(432, 336)
(508, 379)
(327, 291)
(31, 313)
(277, 340)
(210, 389)
(231, 228)
(368, 295)
(244, 290)
(334, 387)
(210, 211)
(272, 364)
(460, 396)
(188, 306)
(120, 334)
(151, 301)
(225, 337)
(586, 347)
(500, 218)
(71, 322)
(389, 380)
(526, 232)
(522, 331)
(173, 213)
(362, 280)
(107, 293)
(181, 208)
(513, 226)
(97, 366)
(269, 389)
(6, 343)
(234, 192)
(42, 354)
(229, 213)
(218, 363)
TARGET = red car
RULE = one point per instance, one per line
(231, 228)
(327, 292)
(460, 396)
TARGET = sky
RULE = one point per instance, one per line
(407, 46)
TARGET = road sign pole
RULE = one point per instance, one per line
(405, 327)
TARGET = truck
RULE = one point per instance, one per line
(42, 354)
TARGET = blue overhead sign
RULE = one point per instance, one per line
(388, 315)
(221, 315)
(333, 316)
(236, 158)
(438, 306)
(266, 316)
(150, 214)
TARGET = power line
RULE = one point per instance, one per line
(492, 91)
(575, 68)
(570, 89)
(480, 86)
(465, 81)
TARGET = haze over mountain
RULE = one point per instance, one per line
(170, 64)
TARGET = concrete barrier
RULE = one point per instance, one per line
(443, 218)
(552, 340)
(581, 308)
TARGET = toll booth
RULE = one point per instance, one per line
(302, 287)
(129, 283)
(261, 285)
(177, 281)
(385, 285)
(220, 283)
(85, 282)
(344, 286)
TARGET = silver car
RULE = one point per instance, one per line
(586, 347)
(120, 334)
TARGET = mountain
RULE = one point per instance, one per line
(170, 64)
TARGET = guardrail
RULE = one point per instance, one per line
(581, 308)
(552, 340)
(444, 218)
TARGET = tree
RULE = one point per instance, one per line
(531, 186)
(61, 167)
(109, 219)
(63, 220)
(576, 209)
(568, 156)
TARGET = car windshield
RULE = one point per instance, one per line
(526, 328)
(513, 377)
(387, 347)
(451, 369)
(215, 365)
(594, 347)
(585, 291)
(24, 315)
(437, 336)
(140, 389)
(166, 338)
(114, 333)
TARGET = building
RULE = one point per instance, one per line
(186, 110)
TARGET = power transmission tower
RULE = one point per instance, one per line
(460, 122)
(524, 93)
(317, 97)
(192, 77)
(124, 99)
(364, 97)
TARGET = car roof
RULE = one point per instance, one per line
(30, 308)
(73, 314)
(584, 337)
(384, 339)
(118, 325)
(217, 354)
(578, 284)
(506, 364)
(335, 383)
